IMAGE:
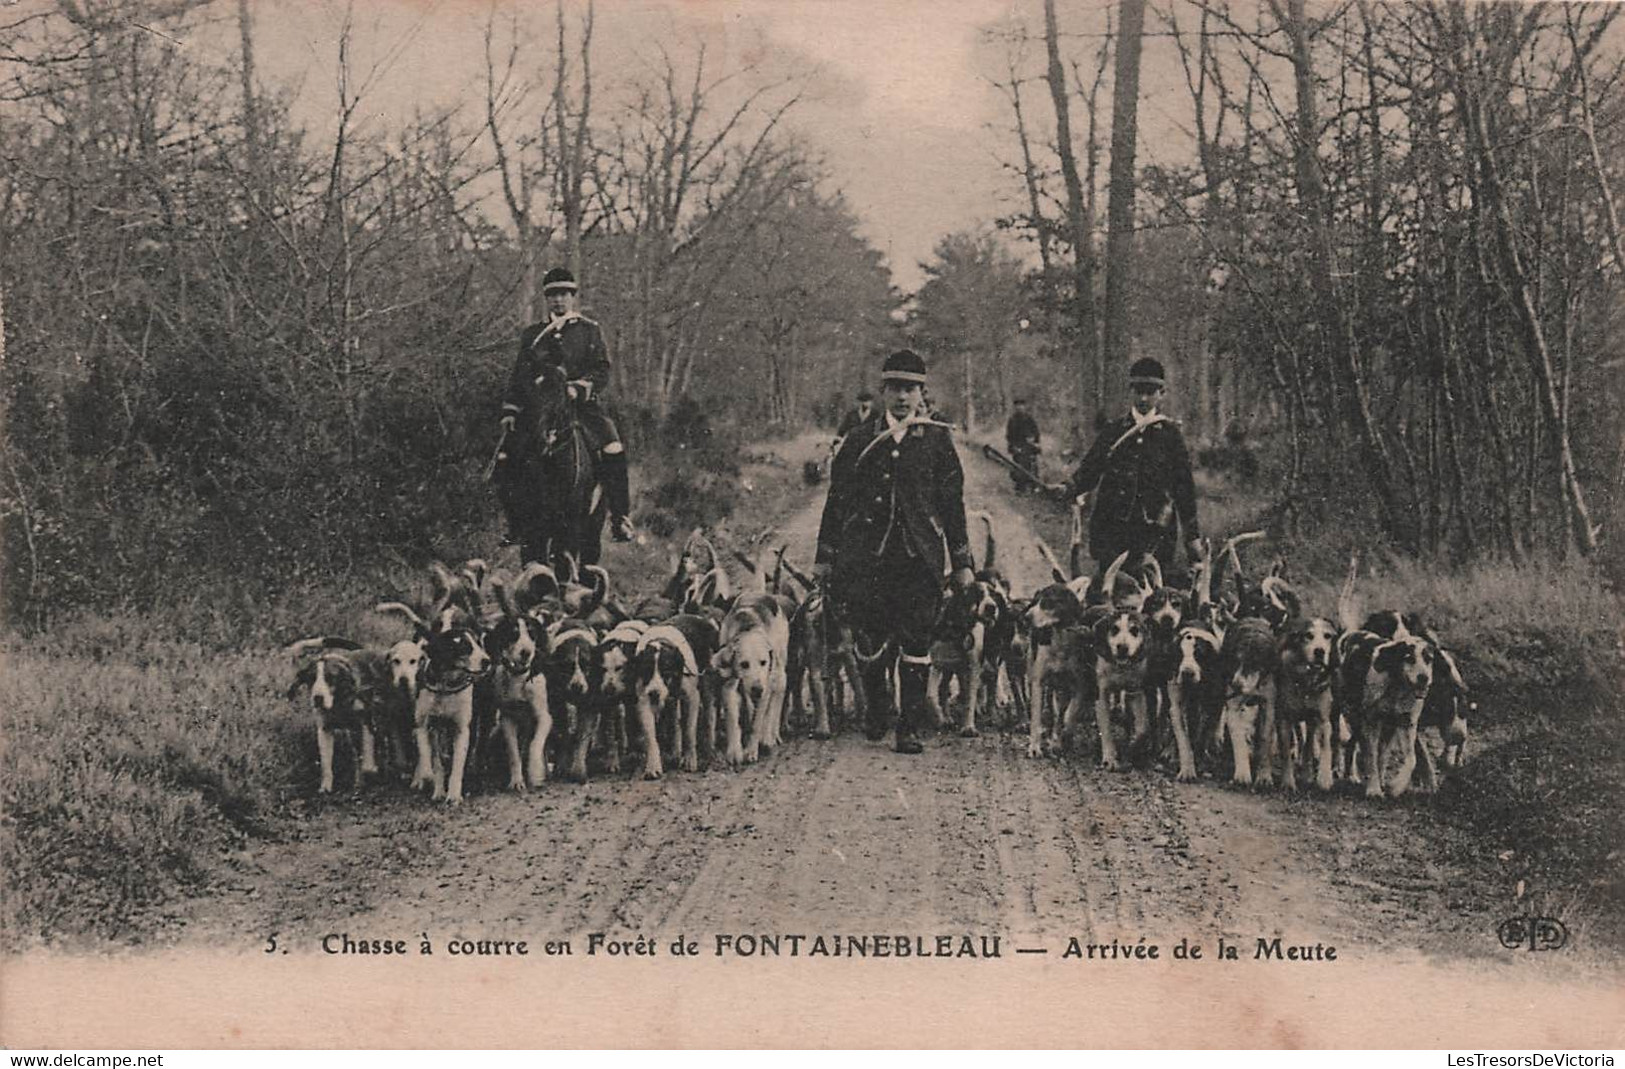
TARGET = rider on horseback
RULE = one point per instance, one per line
(573, 343)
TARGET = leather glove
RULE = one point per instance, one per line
(963, 577)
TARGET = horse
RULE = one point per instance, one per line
(548, 483)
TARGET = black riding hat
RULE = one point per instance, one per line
(1147, 372)
(559, 280)
(903, 366)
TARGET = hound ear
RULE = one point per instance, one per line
(1386, 657)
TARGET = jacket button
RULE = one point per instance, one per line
(894, 452)
(879, 500)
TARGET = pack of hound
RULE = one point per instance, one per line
(1247, 682)
(514, 680)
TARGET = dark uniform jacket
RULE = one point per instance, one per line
(577, 346)
(1145, 485)
(881, 491)
(1021, 433)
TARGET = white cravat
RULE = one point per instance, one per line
(897, 427)
(1139, 420)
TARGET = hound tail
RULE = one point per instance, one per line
(1055, 568)
(1348, 603)
(992, 547)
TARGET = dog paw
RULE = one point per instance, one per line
(1035, 750)
(1186, 775)
(651, 773)
(691, 763)
(1110, 764)
(454, 799)
(969, 732)
(517, 786)
(822, 735)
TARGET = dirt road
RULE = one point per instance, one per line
(846, 837)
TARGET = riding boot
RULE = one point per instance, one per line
(612, 476)
(912, 675)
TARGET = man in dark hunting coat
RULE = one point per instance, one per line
(860, 413)
(893, 523)
(1142, 470)
(1021, 442)
(569, 340)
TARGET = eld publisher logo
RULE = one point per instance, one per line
(1533, 933)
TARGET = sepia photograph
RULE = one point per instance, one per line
(878, 524)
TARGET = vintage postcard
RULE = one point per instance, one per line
(885, 524)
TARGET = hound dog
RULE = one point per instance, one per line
(454, 659)
(1447, 709)
(516, 690)
(1448, 704)
(1061, 658)
(1195, 692)
(1007, 650)
(345, 684)
(1250, 664)
(1382, 687)
(572, 650)
(963, 620)
(1304, 697)
(615, 691)
(750, 665)
(822, 654)
(397, 707)
(1121, 643)
(668, 679)
(1164, 611)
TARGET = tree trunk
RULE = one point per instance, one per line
(1082, 247)
(1116, 346)
(1336, 325)
(1471, 99)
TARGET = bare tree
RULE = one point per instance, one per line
(1120, 221)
